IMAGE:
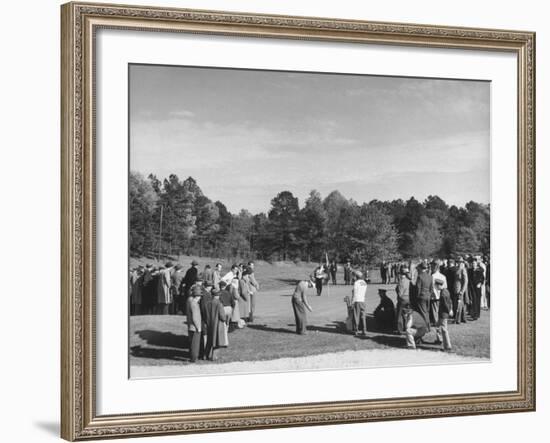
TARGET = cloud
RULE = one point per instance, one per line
(246, 135)
(181, 114)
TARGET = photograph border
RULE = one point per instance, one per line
(79, 24)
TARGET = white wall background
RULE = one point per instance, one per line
(29, 221)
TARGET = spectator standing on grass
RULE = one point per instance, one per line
(333, 269)
(208, 275)
(216, 332)
(358, 299)
(245, 290)
(149, 290)
(177, 289)
(469, 298)
(300, 304)
(228, 302)
(319, 274)
(387, 273)
(217, 275)
(191, 277)
(194, 323)
(231, 275)
(478, 281)
(424, 289)
(444, 312)
(204, 304)
(233, 288)
(383, 272)
(164, 295)
(347, 273)
(254, 289)
(483, 266)
(434, 301)
(136, 290)
(403, 300)
(460, 288)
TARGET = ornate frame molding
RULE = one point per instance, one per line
(79, 23)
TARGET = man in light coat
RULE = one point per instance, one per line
(164, 295)
(254, 289)
(434, 300)
(358, 298)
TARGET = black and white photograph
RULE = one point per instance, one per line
(292, 221)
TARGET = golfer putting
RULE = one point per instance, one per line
(300, 304)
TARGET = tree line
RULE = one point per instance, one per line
(174, 217)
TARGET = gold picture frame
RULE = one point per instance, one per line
(79, 22)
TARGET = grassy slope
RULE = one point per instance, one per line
(273, 276)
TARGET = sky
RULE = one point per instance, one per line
(246, 135)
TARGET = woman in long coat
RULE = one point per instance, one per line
(424, 289)
(215, 334)
(244, 296)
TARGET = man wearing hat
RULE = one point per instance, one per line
(191, 277)
(176, 289)
(423, 293)
(216, 335)
(384, 314)
(478, 282)
(347, 273)
(217, 275)
(148, 296)
(445, 310)
(204, 304)
(358, 298)
(164, 295)
(434, 301)
(208, 275)
(254, 289)
(194, 323)
(403, 299)
(460, 288)
(136, 290)
(300, 304)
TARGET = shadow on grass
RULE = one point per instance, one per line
(159, 354)
(270, 329)
(165, 339)
(165, 345)
(398, 341)
(336, 327)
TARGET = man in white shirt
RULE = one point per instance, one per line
(231, 276)
(358, 297)
(436, 292)
(483, 266)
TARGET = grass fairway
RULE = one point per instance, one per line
(162, 340)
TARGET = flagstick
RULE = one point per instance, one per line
(328, 274)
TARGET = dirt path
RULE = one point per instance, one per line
(374, 358)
